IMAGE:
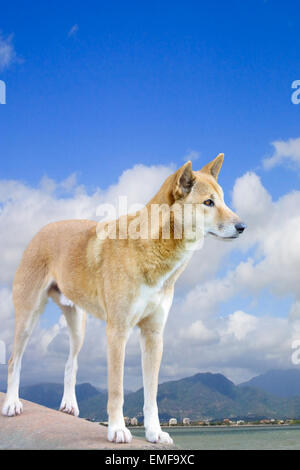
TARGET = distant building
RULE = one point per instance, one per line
(186, 421)
(240, 421)
(127, 420)
(172, 422)
(134, 422)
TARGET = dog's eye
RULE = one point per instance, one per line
(209, 202)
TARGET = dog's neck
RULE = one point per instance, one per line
(164, 254)
(162, 244)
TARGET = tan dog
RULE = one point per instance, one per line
(124, 281)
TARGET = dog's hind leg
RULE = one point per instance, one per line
(76, 321)
(29, 304)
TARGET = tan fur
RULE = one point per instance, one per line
(123, 281)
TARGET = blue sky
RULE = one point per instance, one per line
(145, 82)
(94, 88)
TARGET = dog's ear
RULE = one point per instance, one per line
(184, 180)
(213, 168)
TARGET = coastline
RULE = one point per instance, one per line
(209, 426)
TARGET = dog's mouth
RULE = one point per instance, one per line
(232, 237)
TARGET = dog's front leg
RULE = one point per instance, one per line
(116, 343)
(151, 340)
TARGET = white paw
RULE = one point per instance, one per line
(70, 407)
(158, 436)
(119, 435)
(12, 408)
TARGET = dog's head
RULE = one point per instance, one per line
(201, 187)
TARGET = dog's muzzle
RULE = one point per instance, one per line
(240, 227)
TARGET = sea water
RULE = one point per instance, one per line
(235, 438)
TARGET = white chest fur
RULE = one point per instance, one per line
(151, 298)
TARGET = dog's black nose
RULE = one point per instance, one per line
(240, 227)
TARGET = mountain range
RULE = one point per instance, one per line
(275, 394)
(281, 383)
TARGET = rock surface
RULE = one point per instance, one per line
(42, 428)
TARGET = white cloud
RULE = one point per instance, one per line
(273, 235)
(138, 184)
(196, 337)
(191, 155)
(241, 344)
(250, 197)
(23, 211)
(285, 151)
(73, 31)
(241, 324)
(274, 228)
(7, 52)
(197, 331)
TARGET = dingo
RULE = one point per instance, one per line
(124, 281)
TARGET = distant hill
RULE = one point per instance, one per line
(94, 407)
(202, 396)
(281, 383)
(213, 396)
(50, 394)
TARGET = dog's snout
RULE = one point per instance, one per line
(240, 227)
